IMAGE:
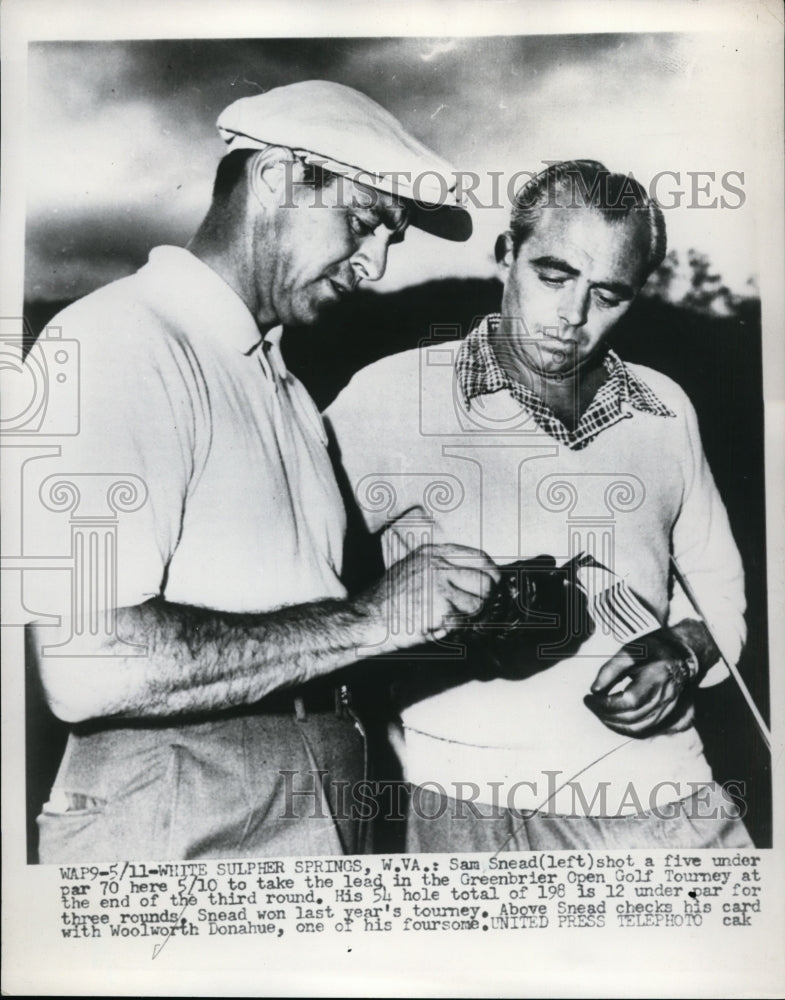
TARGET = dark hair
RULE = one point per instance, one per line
(229, 173)
(231, 170)
(588, 184)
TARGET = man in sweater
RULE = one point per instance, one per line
(530, 438)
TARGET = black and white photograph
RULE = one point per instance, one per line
(392, 454)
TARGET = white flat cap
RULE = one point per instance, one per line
(347, 133)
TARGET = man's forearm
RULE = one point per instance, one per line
(200, 660)
(191, 659)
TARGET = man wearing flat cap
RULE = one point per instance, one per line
(204, 718)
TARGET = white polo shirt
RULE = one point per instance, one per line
(178, 388)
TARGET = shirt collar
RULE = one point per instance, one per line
(191, 289)
(479, 373)
(634, 390)
(270, 354)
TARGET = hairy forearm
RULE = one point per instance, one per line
(171, 659)
(197, 660)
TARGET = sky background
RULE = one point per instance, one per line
(123, 146)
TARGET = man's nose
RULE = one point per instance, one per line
(370, 259)
(574, 305)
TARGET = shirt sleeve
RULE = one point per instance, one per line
(112, 502)
(707, 556)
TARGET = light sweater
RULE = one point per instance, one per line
(486, 476)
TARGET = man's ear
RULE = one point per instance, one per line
(504, 254)
(272, 176)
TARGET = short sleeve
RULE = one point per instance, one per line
(110, 505)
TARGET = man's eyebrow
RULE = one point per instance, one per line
(394, 217)
(620, 288)
(554, 263)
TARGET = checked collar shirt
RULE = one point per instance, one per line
(479, 373)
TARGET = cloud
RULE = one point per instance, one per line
(124, 131)
(439, 48)
(71, 252)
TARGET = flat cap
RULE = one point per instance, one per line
(347, 133)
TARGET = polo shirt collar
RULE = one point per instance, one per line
(192, 289)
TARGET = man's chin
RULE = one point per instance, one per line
(547, 363)
(312, 315)
(568, 364)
